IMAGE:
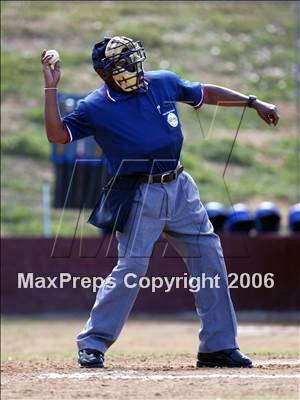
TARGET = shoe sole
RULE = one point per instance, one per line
(91, 365)
(207, 364)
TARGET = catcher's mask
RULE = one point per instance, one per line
(123, 61)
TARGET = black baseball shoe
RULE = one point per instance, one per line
(231, 358)
(89, 358)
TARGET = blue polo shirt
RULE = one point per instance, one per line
(138, 132)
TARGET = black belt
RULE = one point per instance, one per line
(161, 178)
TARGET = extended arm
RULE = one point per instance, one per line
(54, 126)
(218, 95)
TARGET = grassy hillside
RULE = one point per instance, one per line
(248, 46)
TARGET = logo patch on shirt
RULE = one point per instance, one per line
(172, 119)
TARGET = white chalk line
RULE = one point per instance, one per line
(259, 330)
(134, 375)
(283, 363)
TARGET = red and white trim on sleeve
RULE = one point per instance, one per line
(68, 133)
(202, 98)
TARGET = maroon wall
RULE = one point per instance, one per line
(95, 257)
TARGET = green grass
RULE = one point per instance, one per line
(25, 221)
(246, 46)
(218, 150)
(27, 144)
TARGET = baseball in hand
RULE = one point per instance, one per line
(54, 59)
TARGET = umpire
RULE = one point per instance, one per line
(133, 118)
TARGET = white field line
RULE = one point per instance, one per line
(283, 363)
(259, 330)
(133, 375)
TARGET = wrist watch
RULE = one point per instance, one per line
(251, 99)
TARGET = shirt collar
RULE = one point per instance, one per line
(114, 96)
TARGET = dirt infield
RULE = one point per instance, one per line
(152, 359)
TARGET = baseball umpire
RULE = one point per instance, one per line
(133, 118)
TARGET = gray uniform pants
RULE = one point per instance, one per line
(174, 208)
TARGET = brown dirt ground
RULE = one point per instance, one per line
(152, 359)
